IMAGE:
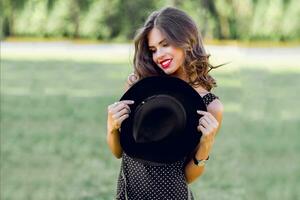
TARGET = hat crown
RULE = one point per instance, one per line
(169, 143)
(157, 118)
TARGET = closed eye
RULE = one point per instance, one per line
(165, 44)
(152, 51)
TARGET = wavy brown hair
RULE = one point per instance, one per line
(181, 31)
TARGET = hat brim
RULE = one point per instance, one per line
(170, 149)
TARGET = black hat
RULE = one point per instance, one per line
(162, 125)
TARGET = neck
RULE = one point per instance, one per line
(180, 73)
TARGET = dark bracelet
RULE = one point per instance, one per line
(200, 162)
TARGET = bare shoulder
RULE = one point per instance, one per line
(216, 109)
(215, 106)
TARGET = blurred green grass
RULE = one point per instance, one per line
(53, 130)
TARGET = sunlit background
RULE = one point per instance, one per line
(64, 61)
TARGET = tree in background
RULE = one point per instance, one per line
(119, 19)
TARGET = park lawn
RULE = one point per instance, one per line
(53, 132)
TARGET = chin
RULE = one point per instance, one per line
(170, 71)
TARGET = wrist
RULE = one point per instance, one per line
(201, 155)
(114, 131)
(200, 162)
(202, 151)
(204, 140)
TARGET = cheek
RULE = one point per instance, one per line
(154, 58)
(177, 53)
(180, 58)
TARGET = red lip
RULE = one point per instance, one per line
(166, 63)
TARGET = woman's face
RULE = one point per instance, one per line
(167, 57)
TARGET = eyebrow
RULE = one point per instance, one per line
(158, 43)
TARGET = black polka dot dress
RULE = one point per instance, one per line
(140, 181)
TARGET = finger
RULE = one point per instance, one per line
(211, 118)
(119, 102)
(114, 111)
(204, 122)
(120, 106)
(207, 119)
(120, 113)
(132, 78)
(111, 110)
(115, 104)
(207, 123)
(118, 121)
(127, 101)
(203, 130)
(201, 112)
(122, 118)
(208, 114)
(128, 108)
(111, 106)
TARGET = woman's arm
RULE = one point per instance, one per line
(192, 171)
(116, 114)
(113, 141)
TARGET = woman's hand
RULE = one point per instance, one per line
(117, 113)
(208, 125)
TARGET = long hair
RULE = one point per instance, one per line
(181, 31)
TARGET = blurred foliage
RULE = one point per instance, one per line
(119, 19)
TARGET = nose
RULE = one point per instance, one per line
(159, 54)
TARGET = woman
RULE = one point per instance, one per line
(168, 44)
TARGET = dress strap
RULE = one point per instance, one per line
(208, 98)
